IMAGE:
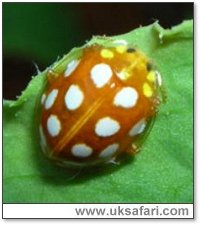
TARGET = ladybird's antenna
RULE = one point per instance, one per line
(36, 67)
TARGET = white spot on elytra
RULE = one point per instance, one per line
(106, 127)
(74, 97)
(121, 76)
(137, 128)
(112, 85)
(43, 98)
(127, 97)
(42, 137)
(120, 42)
(53, 125)
(101, 74)
(51, 99)
(109, 151)
(81, 150)
(71, 67)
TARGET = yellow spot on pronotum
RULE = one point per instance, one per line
(147, 91)
(151, 76)
(105, 53)
(121, 49)
(142, 66)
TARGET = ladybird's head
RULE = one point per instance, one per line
(128, 62)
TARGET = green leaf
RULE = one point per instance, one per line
(161, 173)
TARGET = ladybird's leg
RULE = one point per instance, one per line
(114, 161)
(132, 150)
(51, 75)
(163, 93)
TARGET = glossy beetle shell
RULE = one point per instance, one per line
(99, 107)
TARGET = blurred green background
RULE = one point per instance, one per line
(39, 33)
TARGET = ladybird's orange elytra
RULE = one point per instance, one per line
(100, 106)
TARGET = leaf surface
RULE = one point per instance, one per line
(161, 173)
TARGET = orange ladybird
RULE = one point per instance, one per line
(100, 106)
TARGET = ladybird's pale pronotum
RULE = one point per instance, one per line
(100, 106)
